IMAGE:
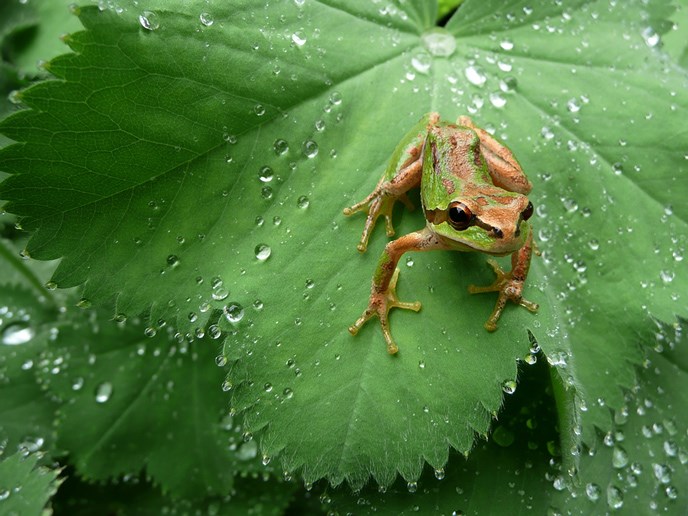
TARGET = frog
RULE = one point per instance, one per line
(474, 197)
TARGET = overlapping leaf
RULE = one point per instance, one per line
(25, 487)
(181, 137)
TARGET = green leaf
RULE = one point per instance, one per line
(26, 415)
(131, 401)
(639, 466)
(142, 167)
(25, 488)
(135, 497)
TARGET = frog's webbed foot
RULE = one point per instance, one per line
(380, 303)
(509, 288)
(377, 205)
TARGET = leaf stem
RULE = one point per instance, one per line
(568, 420)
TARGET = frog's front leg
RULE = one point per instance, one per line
(383, 294)
(402, 174)
(509, 284)
(381, 200)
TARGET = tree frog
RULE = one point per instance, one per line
(474, 198)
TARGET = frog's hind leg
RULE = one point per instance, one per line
(502, 165)
(381, 200)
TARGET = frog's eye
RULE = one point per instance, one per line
(528, 212)
(459, 216)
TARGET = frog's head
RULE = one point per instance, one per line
(491, 220)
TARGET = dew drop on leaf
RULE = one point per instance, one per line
(234, 312)
(619, 457)
(51, 285)
(509, 386)
(206, 19)
(173, 260)
(219, 294)
(84, 303)
(299, 38)
(149, 20)
(259, 109)
(439, 42)
(475, 75)
(310, 149)
(262, 252)
(593, 491)
(266, 192)
(288, 393)
(266, 174)
(281, 146)
(302, 202)
(412, 487)
(248, 450)
(652, 39)
(614, 497)
(103, 392)
(16, 334)
(421, 62)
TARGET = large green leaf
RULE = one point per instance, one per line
(143, 168)
(131, 401)
(25, 488)
(638, 467)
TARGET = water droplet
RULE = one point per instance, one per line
(247, 450)
(266, 192)
(302, 202)
(335, 98)
(227, 386)
(51, 285)
(103, 392)
(266, 460)
(439, 473)
(667, 276)
(221, 360)
(310, 149)
(16, 334)
(506, 45)
(259, 109)
(267, 387)
(593, 492)
(509, 386)
(219, 294)
(652, 39)
(619, 457)
(288, 393)
(149, 20)
(77, 384)
(234, 312)
(299, 38)
(206, 19)
(150, 332)
(412, 487)
(258, 304)
(497, 100)
(84, 303)
(266, 174)
(4, 494)
(614, 497)
(173, 260)
(475, 75)
(262, 252)
(280, 146)
(421, 62)
(409, 261)
(439, 42)
(662, 473)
